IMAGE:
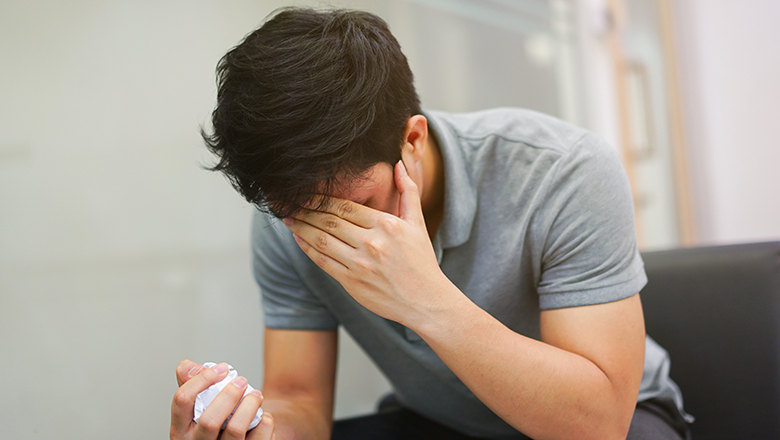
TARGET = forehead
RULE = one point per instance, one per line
(375, 182)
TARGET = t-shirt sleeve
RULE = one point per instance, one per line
(589, 253)
(287, 302)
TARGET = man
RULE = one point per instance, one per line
(486, 262)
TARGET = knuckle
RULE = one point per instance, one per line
(360, 283)
(251, 397)
(389, 223)
(180, 398)
(321, 242)
(344, 208)
(321, 260)
(330, 224)
(375, 247)
(233, 431)
(363, 266)
(233, 392)
(210, 425)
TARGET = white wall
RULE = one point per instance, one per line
(730, 66)
(119, 255)
(101, 103)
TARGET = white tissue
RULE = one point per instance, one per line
(205, 397)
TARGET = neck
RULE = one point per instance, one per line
(432, 198)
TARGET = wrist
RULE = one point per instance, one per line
(446, 311)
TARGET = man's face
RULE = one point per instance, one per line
(376, 189)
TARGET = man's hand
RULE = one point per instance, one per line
(193, 379)
(386, 263)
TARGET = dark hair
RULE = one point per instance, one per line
(308, 101)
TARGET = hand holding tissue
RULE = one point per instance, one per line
(205, 397)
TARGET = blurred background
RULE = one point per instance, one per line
(120, 255)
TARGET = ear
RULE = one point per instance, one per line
(416, 137)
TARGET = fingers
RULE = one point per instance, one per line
(186, 370)
(239, 423)
(332, 266)
(410, 207)
(326, 250)
(348, 210)
(265, 430)
(342, 229)
(183, 406)
(213, 417)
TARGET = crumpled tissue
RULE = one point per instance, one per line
(205, 397)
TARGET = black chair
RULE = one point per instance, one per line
(717, 311)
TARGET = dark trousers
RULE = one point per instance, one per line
(653, 420)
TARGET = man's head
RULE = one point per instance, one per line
(307, 104)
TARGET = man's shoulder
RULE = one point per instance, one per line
(512, 125)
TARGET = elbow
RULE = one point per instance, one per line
(620, 413)
(605, 431)
(611, 425)
(618, 425)
(604, 425)
(620, 431)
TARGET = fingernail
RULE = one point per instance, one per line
(256, 393)
(221, 368)
(288, 221)
(403, 166)
(239, 382)
(195, 370)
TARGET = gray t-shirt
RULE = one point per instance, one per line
(538, 215)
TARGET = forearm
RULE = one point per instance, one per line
(297, 418)
(300, 371)
(543, 391)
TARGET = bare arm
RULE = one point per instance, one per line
(300, 368)
(581, 381)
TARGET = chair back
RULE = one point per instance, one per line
(716, 310)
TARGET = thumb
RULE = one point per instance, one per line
(410, 207)
(186, 370)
